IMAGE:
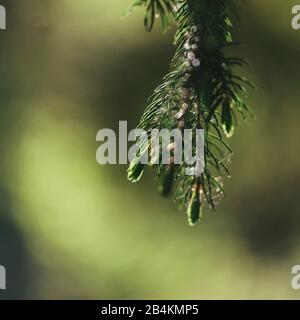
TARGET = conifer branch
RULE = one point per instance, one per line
(201, 91)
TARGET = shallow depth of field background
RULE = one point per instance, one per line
(71, 229)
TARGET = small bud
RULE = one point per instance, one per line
(187, 46)
(194, 208)
(191, 55)
(185, 107)
(135, 171)
(196, 63)
(179, 114)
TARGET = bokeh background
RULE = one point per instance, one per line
(72, 229)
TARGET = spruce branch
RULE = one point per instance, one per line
(201, 91)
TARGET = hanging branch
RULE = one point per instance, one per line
(201, 91)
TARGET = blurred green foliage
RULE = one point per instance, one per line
(72, 229)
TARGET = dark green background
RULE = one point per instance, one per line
(70, 228)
